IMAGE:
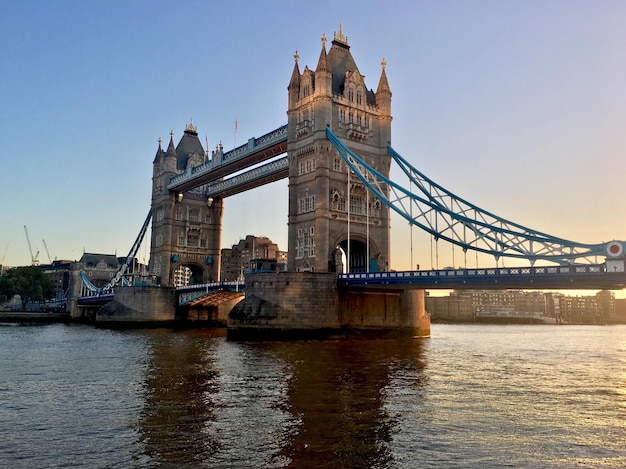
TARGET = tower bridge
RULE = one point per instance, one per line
(336, 152)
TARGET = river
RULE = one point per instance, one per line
(469, 396)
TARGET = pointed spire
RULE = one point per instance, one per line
(294, 84)
(159, 153)
(383, 84)
(322, 63)
(171, 149)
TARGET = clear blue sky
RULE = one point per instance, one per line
(517, 106)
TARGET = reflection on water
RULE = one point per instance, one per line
(179, 399)
(303, 404)
(337, 393)
(471, 396)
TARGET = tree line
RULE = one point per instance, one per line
(30, 282)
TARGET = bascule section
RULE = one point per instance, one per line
(335, 224)
(186, 224)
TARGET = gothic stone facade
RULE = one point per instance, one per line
(323, 199)
(186, 228)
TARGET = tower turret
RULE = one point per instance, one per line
(169, 159)
(323, 74)
(294, 83)
(383, 92)
(383, 102)
(159, 153)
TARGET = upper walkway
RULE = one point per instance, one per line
(257, 150)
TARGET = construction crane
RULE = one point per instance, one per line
(6, 248)
(34, 258)
(47, 252)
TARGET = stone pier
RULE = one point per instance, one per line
(292, 305)
(143, 305)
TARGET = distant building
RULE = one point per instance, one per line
(620, 310)
(468, 305)
(238, 260)
(606, 306)
(59, 273)
(100, 268)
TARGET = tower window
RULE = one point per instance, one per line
(192, 239)
(194, 215)
(306, 166)
(337, 164)
(356, 204)
(341, 204)
(306, 204)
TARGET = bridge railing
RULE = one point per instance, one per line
(189, 293)
(487, 276)
(209, 286)
(549, 270)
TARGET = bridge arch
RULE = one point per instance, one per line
(189, 273)
(360, 259)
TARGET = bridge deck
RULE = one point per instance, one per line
(580, 277)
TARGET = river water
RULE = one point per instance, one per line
(470, 396)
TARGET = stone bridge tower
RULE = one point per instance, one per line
(331, 211)
(186, 227)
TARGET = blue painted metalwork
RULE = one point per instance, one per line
(582, 276)
(118, 277)
(96, 299)
(267, 173)
(186, 180)
(448, 217)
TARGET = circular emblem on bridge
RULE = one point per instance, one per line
(614, 249)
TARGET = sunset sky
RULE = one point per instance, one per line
(518, 107)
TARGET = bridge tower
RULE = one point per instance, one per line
(329, 210)
(186, 227)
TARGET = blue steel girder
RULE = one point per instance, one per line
(118, 277)
(577, 277)
(257, 150)
(265, 174)
(450, 218)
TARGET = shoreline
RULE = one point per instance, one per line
(29, 316)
